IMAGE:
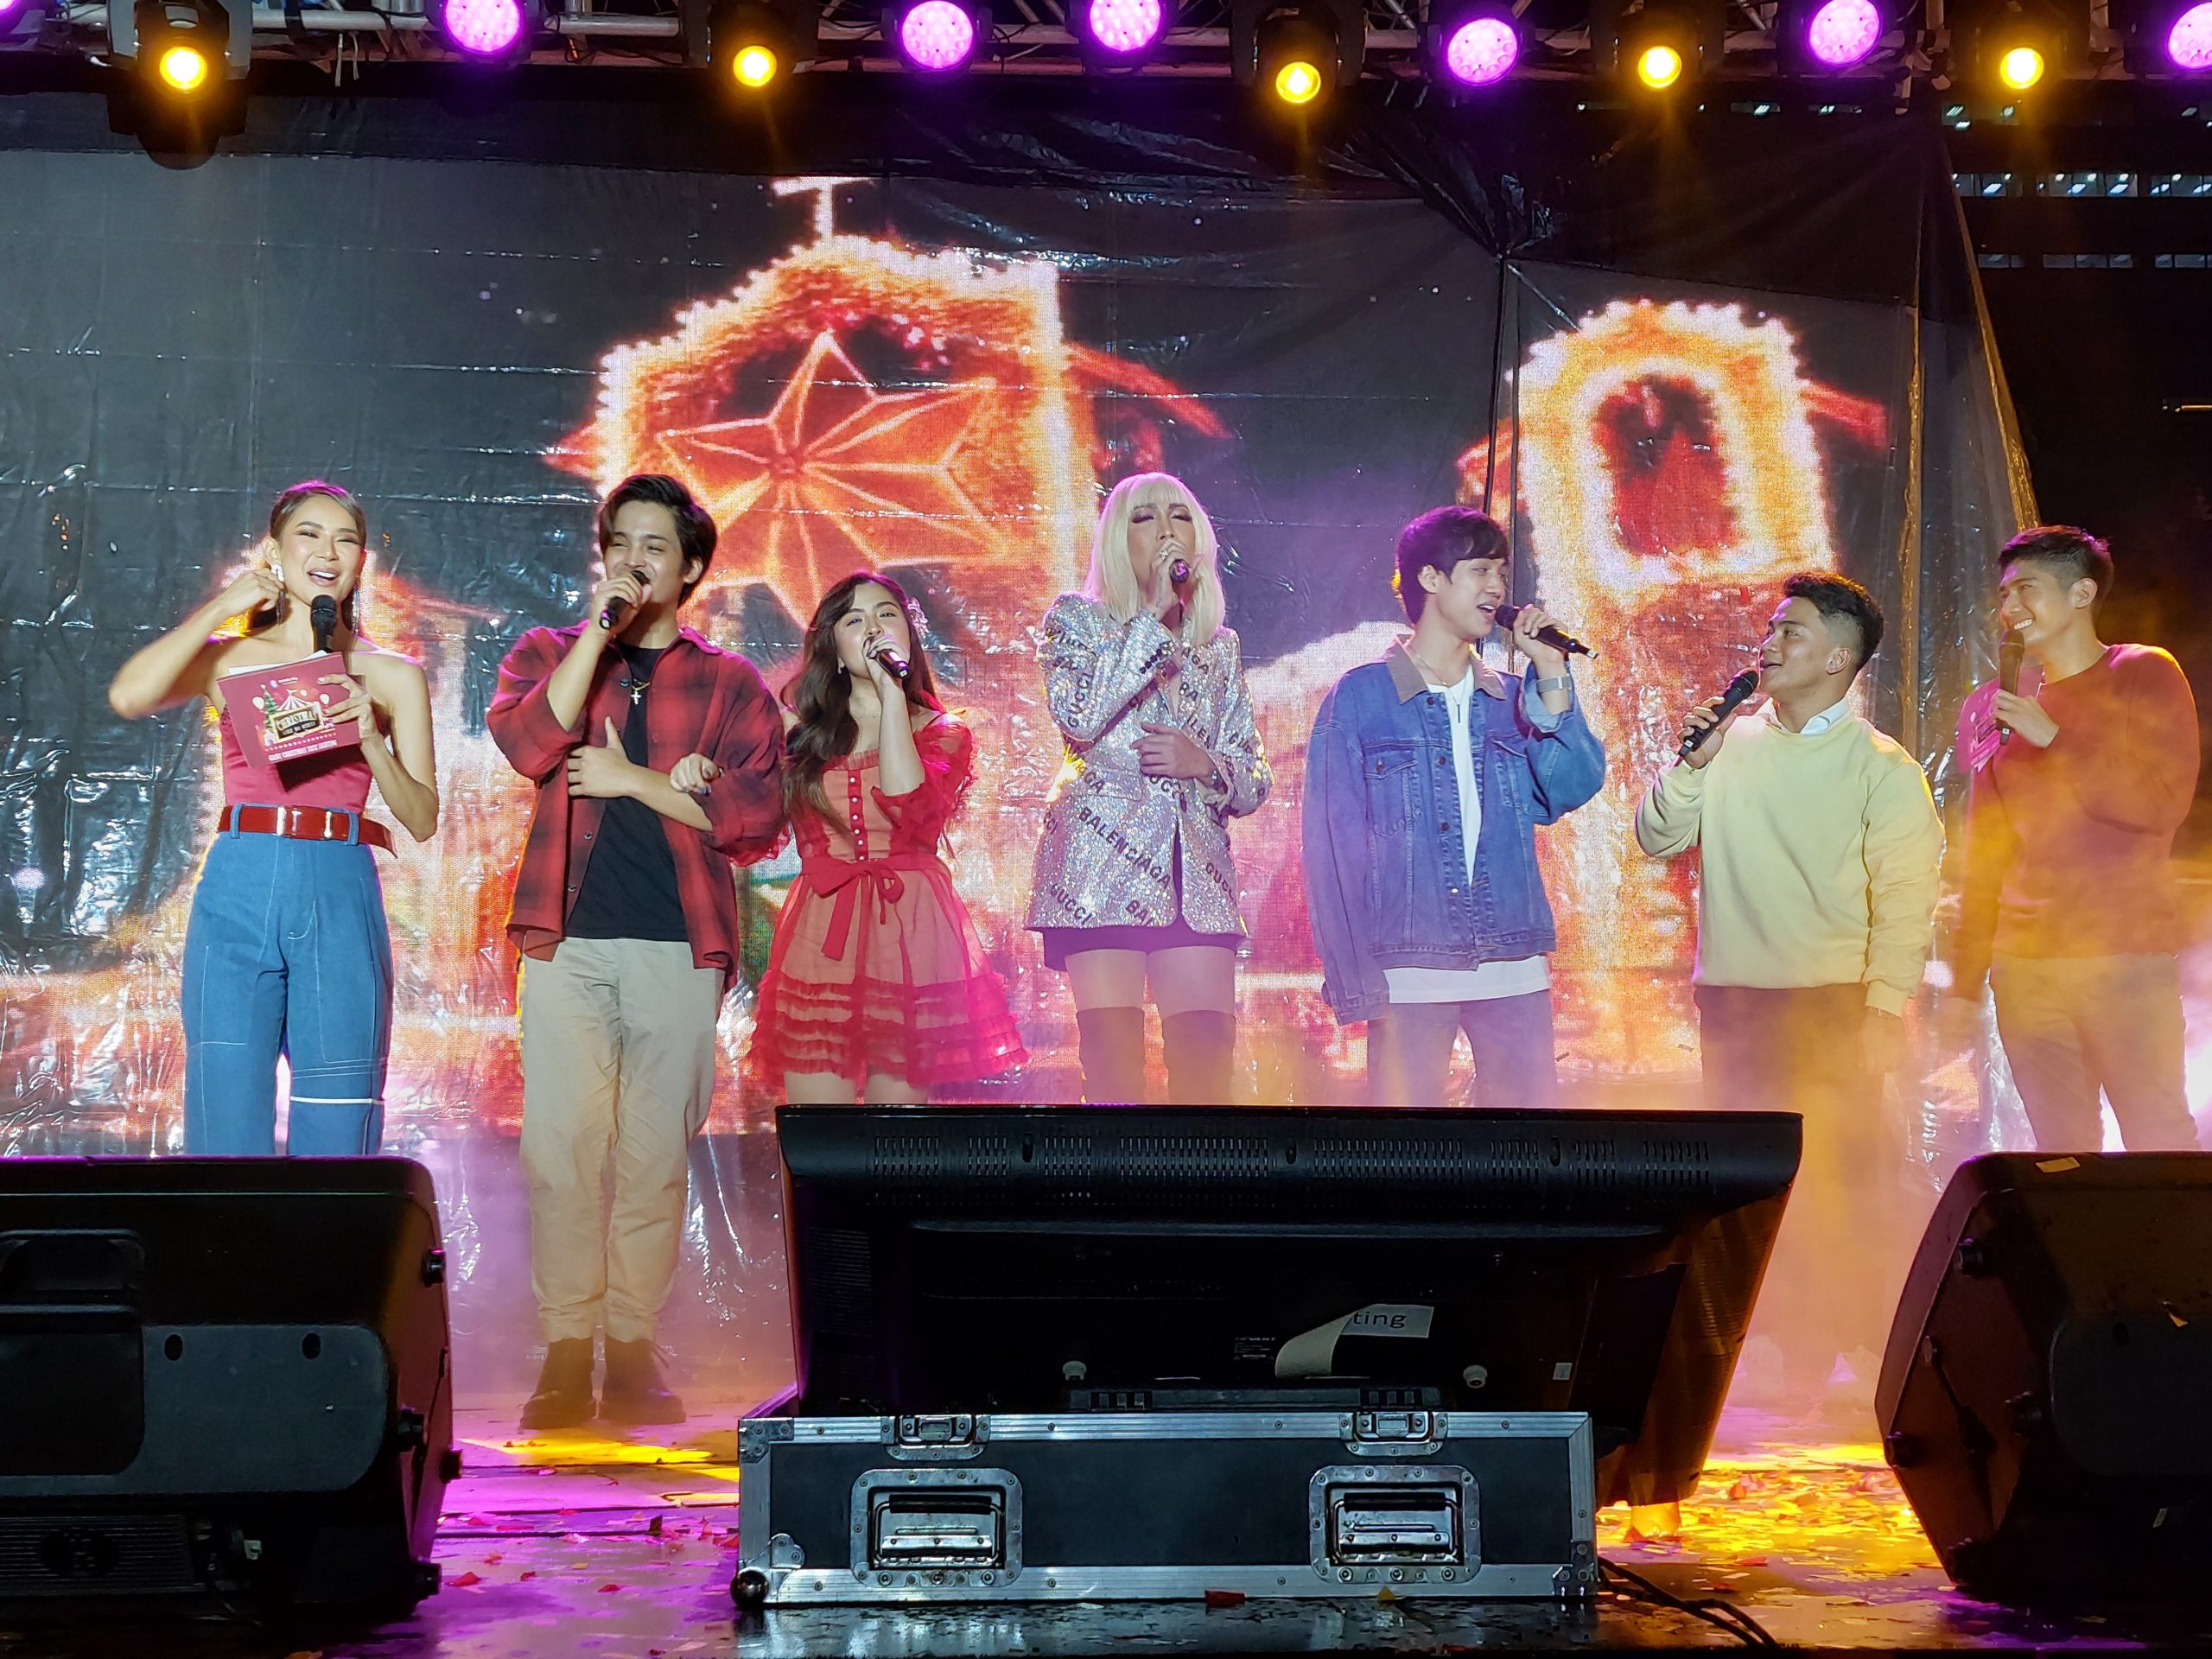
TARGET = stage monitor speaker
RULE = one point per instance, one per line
(222, 1375)
(2046, 1398)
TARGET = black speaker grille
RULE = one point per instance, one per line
(1392, 1157)
(907, 1158)
(94, 1554)
(841, 1275)
(1180, 1160)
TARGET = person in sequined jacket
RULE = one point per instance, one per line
(1135, 884)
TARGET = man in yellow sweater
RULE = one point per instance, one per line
(1821, 856)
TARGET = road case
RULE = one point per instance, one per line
(1145, 1505)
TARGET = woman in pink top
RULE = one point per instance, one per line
(287, 954)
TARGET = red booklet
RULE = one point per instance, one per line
(1980, 735)
(283, 713)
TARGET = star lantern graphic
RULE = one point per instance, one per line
(839, 476)
(963, 445)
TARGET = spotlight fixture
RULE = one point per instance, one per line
(1827, 37)
(2012, 47)
(1299, 52)
(1119, 33)
(937, 37)
(2188, 42)
(486, 29)
(1295, 59)
(2166, 38)
(752, 44)
(183, 49)
(1472, 45)
(1657, 43)
(182, 66)
(1659, 66)
(2021, 67)
(755, 65)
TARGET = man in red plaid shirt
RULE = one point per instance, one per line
(625, 913)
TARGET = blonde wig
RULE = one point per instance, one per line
(1113, 583)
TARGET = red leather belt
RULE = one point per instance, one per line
(304, 824)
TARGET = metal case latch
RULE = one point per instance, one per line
(1392, 1426)
(1394, 1433)
(951, 1429)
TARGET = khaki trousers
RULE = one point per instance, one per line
(618, 1066)
(2076, 1028)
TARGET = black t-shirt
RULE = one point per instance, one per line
(629, 883)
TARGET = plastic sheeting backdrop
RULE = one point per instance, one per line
(936, 378)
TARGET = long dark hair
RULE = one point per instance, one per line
(821, 695)
(263, 616)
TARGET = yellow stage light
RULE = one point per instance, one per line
(1659, 66)
(184, 68)
(2021, 68)
(1298, 82)
(756, 65)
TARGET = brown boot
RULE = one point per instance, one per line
(563, 1397)
(635, 1394)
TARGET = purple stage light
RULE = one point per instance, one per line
(2189, 45)
(936, 35)
(1481, 52)
(483, 27)
(1843, 32)
(1125, 26)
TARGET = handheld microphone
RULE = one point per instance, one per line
(2009, 655)
(894, 664)
(610, 615)
(1556, 638)
(1179, 574)
(1734, 698)
(324, 614)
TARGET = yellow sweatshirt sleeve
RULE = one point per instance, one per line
(1667, 819)
(1904, 861)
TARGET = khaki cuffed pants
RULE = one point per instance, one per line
(617, 1064)
(2079, 1030)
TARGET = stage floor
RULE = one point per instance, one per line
(583, 1547)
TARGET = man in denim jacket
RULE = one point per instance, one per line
(1426, 777)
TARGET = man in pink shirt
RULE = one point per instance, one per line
(2070, 908)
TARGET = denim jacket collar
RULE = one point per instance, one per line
(1384, 827)
(1408, 680)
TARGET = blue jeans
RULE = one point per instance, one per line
(1409, 1050)
(286, 954)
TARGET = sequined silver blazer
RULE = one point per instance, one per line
(1107, 855)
